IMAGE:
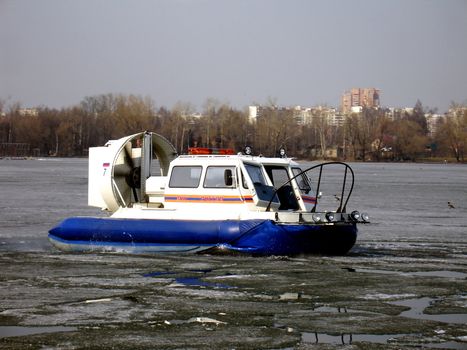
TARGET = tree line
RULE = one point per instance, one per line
(369, 135)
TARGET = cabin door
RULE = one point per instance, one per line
(279, 176)
(245, 191)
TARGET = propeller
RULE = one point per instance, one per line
(127, 175)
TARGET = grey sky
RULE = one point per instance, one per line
(56, 52)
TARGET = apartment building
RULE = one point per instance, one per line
(360, 97)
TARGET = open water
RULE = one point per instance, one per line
(403, 284)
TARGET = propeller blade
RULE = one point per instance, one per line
(127, 155)
(126, 194)
(135, 194)
(122, 191)
(122, 170)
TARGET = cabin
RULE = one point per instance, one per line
(237, 181)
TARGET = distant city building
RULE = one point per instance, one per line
(398, 113)
(336, 119)
(195, 115)
(360, 97)
(256, 111)
(456, 111)
(253, 113)
(433, 121)
(356, 109)
(301, 115)
(306, 116)
(31, 112)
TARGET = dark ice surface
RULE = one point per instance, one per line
(402, 286)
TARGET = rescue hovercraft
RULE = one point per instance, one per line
(207, 201)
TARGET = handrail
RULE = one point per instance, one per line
(341, 208)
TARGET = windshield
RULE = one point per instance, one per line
(264, 192)
(277, 174)
(256, 174)
(302, 180)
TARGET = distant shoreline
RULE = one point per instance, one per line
(418, 161)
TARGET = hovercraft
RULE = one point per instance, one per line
(208, 201)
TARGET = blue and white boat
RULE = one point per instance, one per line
(212, 201)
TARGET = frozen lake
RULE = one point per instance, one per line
(403, 284)
(406, 202)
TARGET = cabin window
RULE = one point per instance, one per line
(256, 174)
(220, 177)
(262, 189)
(244, 183)
(278, 175)
(280, 178)
(302, 180)
(185, 176)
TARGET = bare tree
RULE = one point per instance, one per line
(453, 132)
